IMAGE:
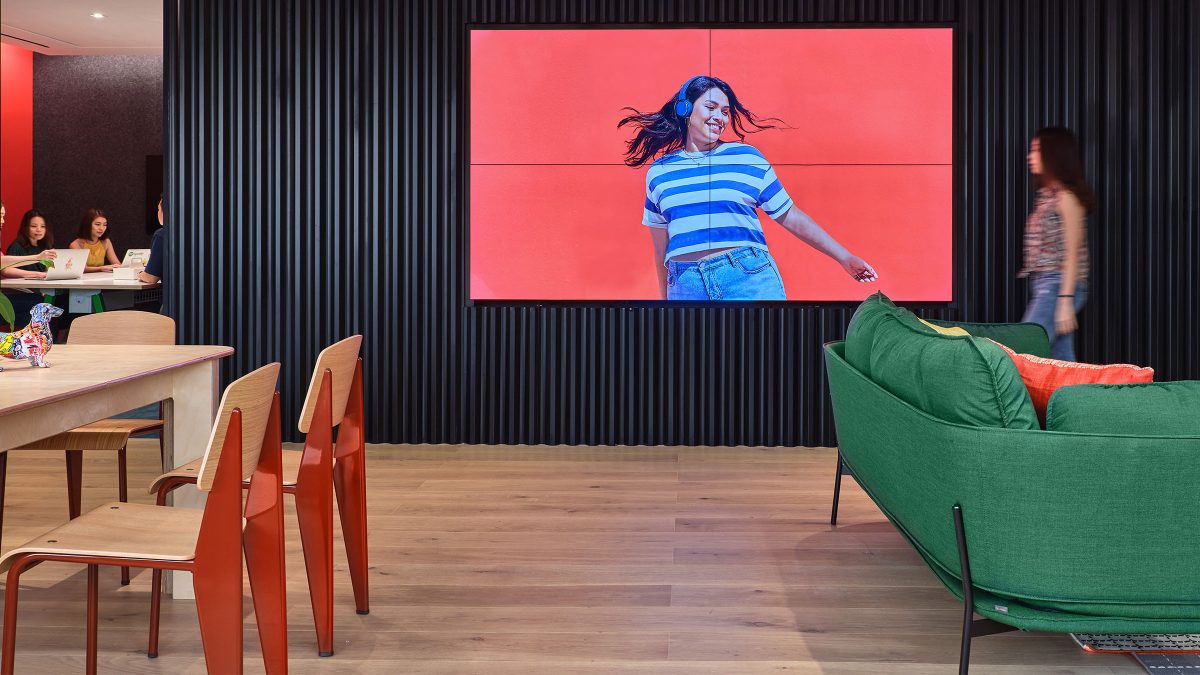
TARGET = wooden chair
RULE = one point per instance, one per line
(245, 444)
(106, 328)
(334, 398)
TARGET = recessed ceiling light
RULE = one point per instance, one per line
(97, 15)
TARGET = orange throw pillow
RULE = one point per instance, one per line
(1042, 376)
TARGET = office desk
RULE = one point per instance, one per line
(86, 383)
(81, 290)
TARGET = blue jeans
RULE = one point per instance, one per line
(745, 273)
(1043, 301)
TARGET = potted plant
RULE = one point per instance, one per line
(7, 314)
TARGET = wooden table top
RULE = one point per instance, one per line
(79, 369)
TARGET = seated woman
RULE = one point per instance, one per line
(33, 237)
(10, 259)
(93, 236)
(32, 244)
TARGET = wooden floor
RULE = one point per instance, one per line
(515, 560)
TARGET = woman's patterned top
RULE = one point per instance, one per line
(1045, 242)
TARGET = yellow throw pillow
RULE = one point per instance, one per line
(952, 330)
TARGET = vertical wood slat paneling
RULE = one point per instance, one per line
(316, 187)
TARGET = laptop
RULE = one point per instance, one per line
(68, 265)
(136, 257)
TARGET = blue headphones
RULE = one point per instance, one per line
(683, 107)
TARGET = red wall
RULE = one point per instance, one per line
(16, 136)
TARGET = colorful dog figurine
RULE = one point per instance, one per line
(33, 341)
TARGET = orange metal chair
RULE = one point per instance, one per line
(334, 398)
(208, 543)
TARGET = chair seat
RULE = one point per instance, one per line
(291, 469)
(121, 530)
(109, 434)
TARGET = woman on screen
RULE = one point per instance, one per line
(1056, 253)
(702, 194)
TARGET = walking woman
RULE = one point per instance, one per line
(702, 196)
(1056, 253)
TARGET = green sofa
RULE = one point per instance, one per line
(1035, 530)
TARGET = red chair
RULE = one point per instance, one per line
(334, 398)
(208, 542)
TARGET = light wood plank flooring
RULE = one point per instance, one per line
(515, 560)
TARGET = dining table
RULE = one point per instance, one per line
(86, 383)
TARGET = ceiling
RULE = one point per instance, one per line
(61, 27)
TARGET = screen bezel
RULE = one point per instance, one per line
(956, 183)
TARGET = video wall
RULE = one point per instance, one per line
(847, 130)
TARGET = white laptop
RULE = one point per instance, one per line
(136, 257)
(68, 265)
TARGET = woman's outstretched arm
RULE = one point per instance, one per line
(800, 224)
(48, 254)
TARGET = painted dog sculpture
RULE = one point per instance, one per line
(33, 341)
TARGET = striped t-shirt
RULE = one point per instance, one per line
(708, 202)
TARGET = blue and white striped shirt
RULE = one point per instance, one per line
(709, 202)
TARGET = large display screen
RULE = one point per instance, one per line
(607, 165)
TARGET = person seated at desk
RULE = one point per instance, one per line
(154, 270)
(47, 254)
(33, 237)
(93, 236)
(33, 243)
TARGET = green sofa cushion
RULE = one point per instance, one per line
(962, 379)
(861, 331)
(1023, 338)
(860, 335)
(1150, 409)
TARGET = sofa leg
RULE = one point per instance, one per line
(972, 627)
(837, 489)
(964, 655)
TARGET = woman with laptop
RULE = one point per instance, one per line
(30, 245)
(47, 254)
(93, 236)
(33, 237)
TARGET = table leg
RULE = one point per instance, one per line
(189, 415)
(80, 301)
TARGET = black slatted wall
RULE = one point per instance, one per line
(316, 176)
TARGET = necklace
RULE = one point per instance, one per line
(697, 157)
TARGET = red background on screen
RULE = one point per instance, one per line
(556, 215)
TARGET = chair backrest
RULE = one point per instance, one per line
(340, 358)
(124, 327)
(252, 394)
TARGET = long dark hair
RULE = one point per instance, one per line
(663, 132)
(23, 237)
(1061, 163)
(85, 224)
